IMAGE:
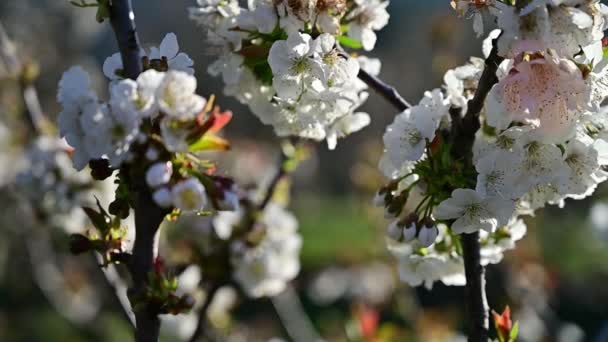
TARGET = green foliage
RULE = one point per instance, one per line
(103, 8)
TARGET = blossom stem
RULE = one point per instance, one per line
(387, 91)
(280, 173)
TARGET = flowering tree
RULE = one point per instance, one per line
(504, 136)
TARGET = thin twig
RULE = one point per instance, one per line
(116, 284)
(12, 67)
(274, 182)
(387, 91)
(202, 314)
(291, 312)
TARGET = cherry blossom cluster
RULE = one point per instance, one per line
(263, 257)
(156, 121)
(57, 191)
(542, 137)
(286, 60)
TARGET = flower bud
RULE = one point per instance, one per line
(409, 232)
(379, 199)
(394, 231)
(428, 234)
(410, 227)
(159, 174)
(152, 154)
(162, 198)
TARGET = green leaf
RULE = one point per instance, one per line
(514, 332)
(349, 42)
(605, 49)
(99, 220)
(103, 10)
(209, 142)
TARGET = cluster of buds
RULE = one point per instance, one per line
(412, 227)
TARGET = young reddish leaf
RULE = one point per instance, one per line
(503, 324)
(220, 119)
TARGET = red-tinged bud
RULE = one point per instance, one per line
(503, 324)
(605, 42)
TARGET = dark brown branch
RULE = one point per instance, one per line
(463, 137)
(148, 216)
(477, 303)
(122, 19)
(385, 90)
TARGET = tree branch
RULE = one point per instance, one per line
(387, 91)
(274, 182)
(148, 216)
(463, 136)
(202, 314)
(122, 20)
(477, 303)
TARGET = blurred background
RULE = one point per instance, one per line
(555, 281)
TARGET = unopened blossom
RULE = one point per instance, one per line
(163, 197)
(159, 174)
(427, 235)
(472, 212)
(395, 231)
(189, 195)
(409, 232)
